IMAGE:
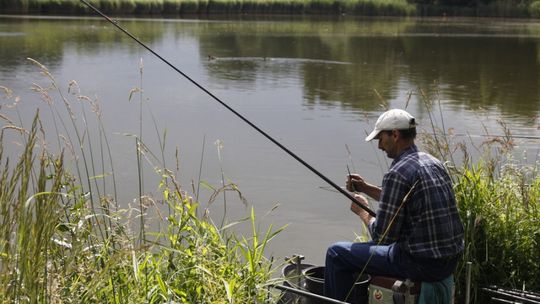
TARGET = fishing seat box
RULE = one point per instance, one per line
(386, 290)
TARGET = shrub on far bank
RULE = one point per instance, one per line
(498, 8)
(534, 9)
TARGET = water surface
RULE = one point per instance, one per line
(316, 85)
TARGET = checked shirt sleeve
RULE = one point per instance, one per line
(387, 226)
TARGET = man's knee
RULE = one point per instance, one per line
(336, 249)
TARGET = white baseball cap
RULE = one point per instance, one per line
(394, 119)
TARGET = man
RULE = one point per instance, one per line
(417, 233)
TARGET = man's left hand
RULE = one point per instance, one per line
(363, 214)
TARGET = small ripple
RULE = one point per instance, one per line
(278, 60)
(12, 34)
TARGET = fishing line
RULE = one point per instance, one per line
(327, 180)
(520, 136)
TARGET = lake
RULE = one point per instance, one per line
(315, 84)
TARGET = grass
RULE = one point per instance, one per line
(500, 210)
(64, 238)
(499, 204)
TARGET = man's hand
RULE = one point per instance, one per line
(355, 183)
(363, 214)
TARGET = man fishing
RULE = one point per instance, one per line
(417, 233)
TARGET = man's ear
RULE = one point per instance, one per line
(395, 134)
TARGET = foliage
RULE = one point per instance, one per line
(497, 8)
(494, 8)
(500, 210)
(534, 9)
(64, 239)
(499, 204)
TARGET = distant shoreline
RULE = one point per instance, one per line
(174, 8)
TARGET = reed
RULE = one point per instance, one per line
(499, 204)
(500, 210)
(63, 237)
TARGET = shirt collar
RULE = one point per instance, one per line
(409, 150)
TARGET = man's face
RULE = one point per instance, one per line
(387, 143)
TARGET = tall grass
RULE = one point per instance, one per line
(500, 210)
(27, 196)
(64, 239)
(499, 204)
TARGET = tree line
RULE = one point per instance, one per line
(481, 8)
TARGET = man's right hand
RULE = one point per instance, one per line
(355, 183)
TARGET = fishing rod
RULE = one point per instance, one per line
(312, 169)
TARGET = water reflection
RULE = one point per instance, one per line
(479, 72)
(476, 64)
(49, 39)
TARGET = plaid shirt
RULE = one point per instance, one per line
(428, 223)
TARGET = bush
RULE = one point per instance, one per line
(64, 239)
(534, 9)
(148, 6)
(190, 7)
(171, 7)
(500, 211)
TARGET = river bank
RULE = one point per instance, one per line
(173, 8)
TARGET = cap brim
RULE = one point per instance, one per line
(373, 134)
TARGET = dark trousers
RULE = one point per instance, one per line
(345, 259)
